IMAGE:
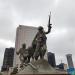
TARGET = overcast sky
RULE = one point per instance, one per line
(61, 40)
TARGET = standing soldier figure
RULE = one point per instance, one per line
(40, 41)
(23, 54)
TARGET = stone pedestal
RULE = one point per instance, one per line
(40, 66)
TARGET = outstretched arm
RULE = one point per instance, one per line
(49, 25)
(49, 29)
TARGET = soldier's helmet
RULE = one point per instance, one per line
(40, 28)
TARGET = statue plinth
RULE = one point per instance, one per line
(40, 66)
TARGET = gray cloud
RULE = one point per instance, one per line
(35, 12)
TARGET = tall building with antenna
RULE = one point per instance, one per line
(70, 61)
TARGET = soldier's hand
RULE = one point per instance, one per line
(50, 26)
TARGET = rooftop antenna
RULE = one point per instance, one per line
(61, 61)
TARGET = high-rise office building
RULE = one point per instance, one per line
(51, 59)
(69, 60)
(24, 34)
(8, 59)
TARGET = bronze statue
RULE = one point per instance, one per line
(23, 54)
(38, 47)
(31, 50)
(40, 41)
